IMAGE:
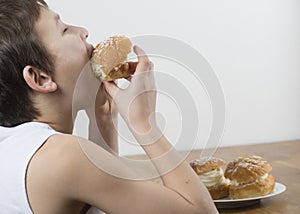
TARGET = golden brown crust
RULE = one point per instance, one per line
(120, 71)
(219, 191)
(205, 165)
(109, 58)
(253, 189)
(247, 169)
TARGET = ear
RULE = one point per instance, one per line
(38, 80)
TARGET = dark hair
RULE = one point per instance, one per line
(19, 46)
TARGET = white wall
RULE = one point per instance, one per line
(252, 45)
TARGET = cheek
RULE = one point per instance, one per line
(76, 48)
(72, 61)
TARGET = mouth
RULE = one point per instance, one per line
(90, 50)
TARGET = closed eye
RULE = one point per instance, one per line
(65, 30)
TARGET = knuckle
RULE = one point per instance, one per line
(147, 63)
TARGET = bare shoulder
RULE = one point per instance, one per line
(58, 154)
(64, 156)
(73, 154)
(55, 171)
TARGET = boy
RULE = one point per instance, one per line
(43, 168)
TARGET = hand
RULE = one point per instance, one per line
(137, 102)
(103, 103)
(91, 96)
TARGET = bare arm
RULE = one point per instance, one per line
(91, 96)
(136, 104)
(102, 126)
(95, 185)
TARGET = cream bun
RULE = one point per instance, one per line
(109, 58)
(250, 177)
(211, 174)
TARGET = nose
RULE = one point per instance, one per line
(82, 32)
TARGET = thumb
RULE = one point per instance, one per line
(111, 88)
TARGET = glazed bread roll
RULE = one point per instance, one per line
(109, 58)
(250, 177)
(211, 174)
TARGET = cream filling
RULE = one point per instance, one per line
(96, 67)
(213, 177)
(98, 71)
(235, 183)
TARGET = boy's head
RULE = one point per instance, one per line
(19, 46)
(40, 60)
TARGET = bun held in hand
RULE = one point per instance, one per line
(109, 58)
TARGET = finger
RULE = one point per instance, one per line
(144, 64)
(111, 88)
(151, 66)
(110, 100)
(140, 53)
(100, 94)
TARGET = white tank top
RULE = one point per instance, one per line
(17, 146)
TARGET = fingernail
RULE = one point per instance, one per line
(135, 47)
(138, 48)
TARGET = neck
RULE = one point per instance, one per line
(63, 124)
(56, 114)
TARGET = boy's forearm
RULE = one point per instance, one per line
(175, 171)
(102, 131)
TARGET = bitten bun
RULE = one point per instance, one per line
(211, 174)
(109, 58)
(250, 177)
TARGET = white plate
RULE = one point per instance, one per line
(234, 203)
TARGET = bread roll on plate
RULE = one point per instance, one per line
(211, 174)
(250, 177)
